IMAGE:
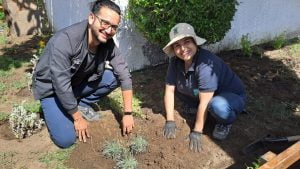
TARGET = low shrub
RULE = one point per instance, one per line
(24, 123)
(155, 18)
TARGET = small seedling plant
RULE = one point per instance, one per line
(254, 165)
(279, 41)
(113, 150)
(124, 156)
(138, 145)
(129, 162)
(246, 46)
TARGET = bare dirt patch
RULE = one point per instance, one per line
(160, 153)
(24, 153)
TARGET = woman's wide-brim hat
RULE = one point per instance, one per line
(178, 32)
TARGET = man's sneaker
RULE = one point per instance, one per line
(221, 131)
(89, 114)
(189, 110)
(94, 106)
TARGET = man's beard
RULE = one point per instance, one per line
(98, 36)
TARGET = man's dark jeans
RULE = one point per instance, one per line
(60, 123)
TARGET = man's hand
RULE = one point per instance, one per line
(127, 124)
(81, 127)
(169, 130)
(195, 141)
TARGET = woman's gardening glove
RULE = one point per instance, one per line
(195, 141)
(169, 130)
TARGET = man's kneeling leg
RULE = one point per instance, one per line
(59, 123)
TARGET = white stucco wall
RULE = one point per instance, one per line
(262, 20)
(62, 13)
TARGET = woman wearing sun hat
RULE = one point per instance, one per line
(202, 81)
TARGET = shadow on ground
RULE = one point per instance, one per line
(14, 55)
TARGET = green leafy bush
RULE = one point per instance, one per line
(155, 18)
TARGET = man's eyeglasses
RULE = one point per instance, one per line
(105, 24)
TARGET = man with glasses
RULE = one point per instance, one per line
(80, 65)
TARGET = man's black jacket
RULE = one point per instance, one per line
(63, 56)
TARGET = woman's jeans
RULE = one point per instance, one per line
(59, 122)
(224, 107)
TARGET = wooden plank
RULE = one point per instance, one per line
(268, 156)
(285, 158)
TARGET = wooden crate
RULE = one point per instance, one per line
(282, 160)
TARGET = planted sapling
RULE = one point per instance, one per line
(138, 145)
(113, 150)
(246, 46)
(128, 162)
(279, 41)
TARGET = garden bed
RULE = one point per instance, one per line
(272, 81)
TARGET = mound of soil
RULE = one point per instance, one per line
(161, 153)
